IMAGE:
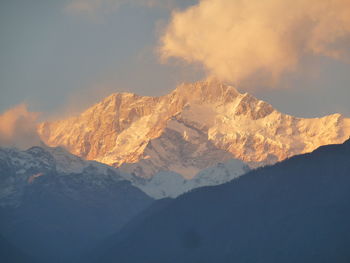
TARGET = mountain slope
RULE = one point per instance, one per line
(171, 184)
(54, 204)
(295, 211)
(175, 132)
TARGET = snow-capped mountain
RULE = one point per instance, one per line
(51, 199)
(171, 184)
(192, 128)
(20, 169)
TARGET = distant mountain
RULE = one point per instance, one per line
(53, 204)
(194, 127)
(295, 211)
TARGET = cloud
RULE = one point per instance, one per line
(18, 128)
(94, 7)
(237, 40)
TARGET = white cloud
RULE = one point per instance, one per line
(18, 128)
(239, 39)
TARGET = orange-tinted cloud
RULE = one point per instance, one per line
(238, 39)
(18, 128)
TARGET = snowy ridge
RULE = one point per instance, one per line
(20, 169)
(171, 184)
(177, 132)
(56, 168)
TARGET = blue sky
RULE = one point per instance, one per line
(60, 62)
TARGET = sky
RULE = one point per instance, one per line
(60, 57)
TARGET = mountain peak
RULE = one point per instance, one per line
(180, 126)
(252, 107)
(206, 91)
(121, 95)
(117, 100)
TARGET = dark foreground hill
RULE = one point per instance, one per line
(295, 211)
(11, 254)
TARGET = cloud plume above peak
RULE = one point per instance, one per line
(238, 39)
(18, 128)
